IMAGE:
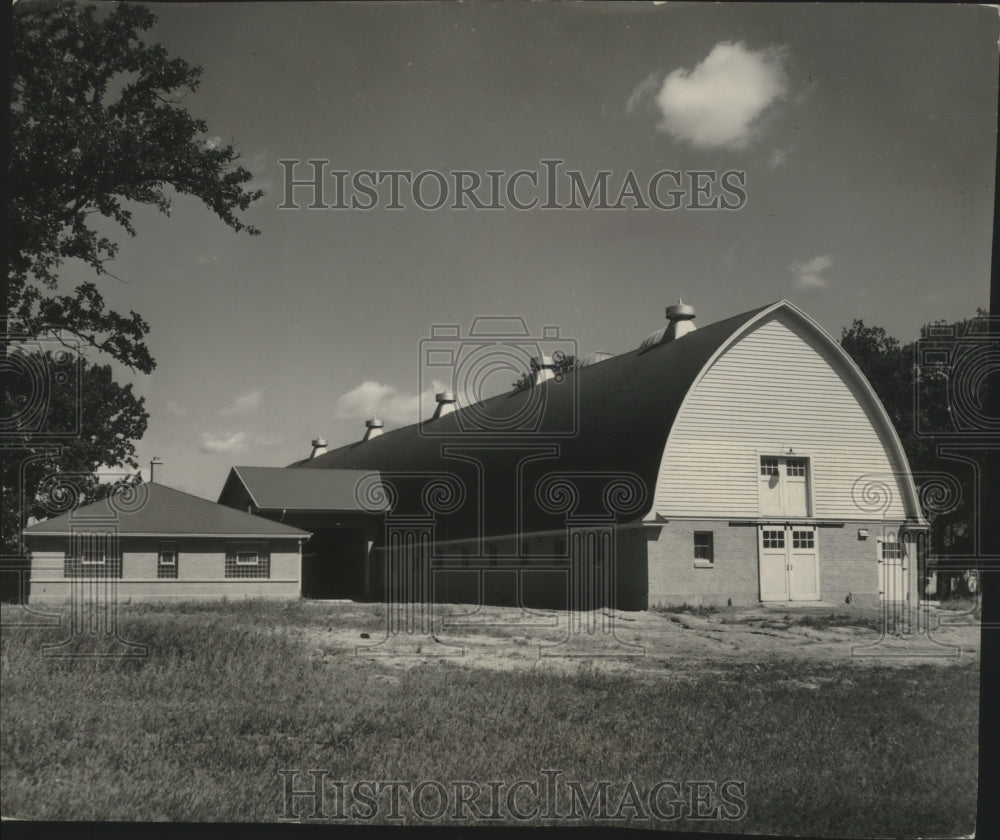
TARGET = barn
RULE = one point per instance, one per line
(152, 542)
(744, 461)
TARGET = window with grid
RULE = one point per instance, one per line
(803, 539)
(774, 539)
(891, 549)
(703, 547)
(248, 560)
(89, 558)
(166, 561)
(768, 466)
(796, 466)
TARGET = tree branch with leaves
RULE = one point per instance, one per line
(98, 126)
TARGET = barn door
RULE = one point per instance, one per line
(783, 486)
(789, 563)
(803, 564)
(893, 567)
(773, 563)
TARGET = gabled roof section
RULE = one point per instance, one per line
(157, 510)
(278, 488)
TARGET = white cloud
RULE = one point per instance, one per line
(250, 401)
(213, 142)
(226, 442)
(808, 275)
(238, 441)
(777, 158)
(174, 410)
(205, 259)
(386, 401)
(717, 104)
(644, 90)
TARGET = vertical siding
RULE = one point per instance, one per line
(774, 388)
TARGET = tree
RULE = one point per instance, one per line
(97, 126)
(917, 399)
(561, 363)
(101, 419)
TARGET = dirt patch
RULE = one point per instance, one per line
(653, 644)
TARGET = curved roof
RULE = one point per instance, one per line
(594, 358)
(611, 418)
(607, 419)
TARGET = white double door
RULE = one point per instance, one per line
(789, 562)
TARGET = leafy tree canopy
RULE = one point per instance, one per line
(917, 399)
(561, 363)
(97, 421)
(98, 126)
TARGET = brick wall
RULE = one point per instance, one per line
(847, 564)
(675, 577)
(200, 571)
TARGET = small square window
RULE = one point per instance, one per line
(796, 466)
(248, 560)
(803, 539)
(774, 539)
(891, 549)
(93, 557)
(166, 562)
(768, 466)
(703, 546)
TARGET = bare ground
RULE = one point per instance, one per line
(648, 644)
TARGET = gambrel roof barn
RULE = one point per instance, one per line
(742, 461)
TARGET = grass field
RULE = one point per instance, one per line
(227, 697)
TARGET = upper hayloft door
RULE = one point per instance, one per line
(783, 486)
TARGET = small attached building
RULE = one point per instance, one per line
(336, 562)
(154, 542)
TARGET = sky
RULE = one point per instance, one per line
(862, 138)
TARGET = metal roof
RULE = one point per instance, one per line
(278, 488)
(612, 418)
(157, 510)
